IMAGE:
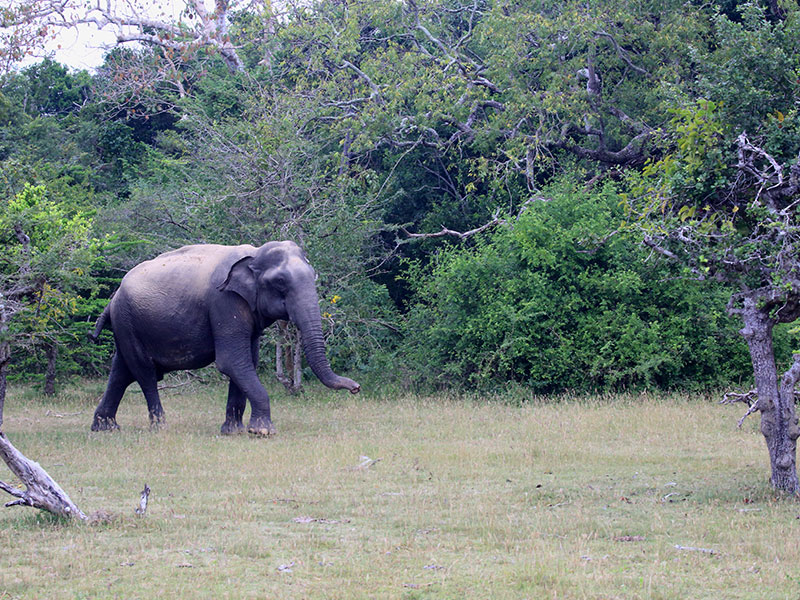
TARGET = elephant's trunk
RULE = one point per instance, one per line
(307, 318)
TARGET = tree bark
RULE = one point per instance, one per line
(297, 361)
(775, 400)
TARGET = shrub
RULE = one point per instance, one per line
(555, 302)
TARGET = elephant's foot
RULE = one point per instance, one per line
(231, 428)
(261, 427)
(159, 423)
(104, 424)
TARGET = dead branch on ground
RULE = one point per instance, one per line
(41, 491)
(750, 398)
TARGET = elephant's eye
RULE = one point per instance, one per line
(279, 282)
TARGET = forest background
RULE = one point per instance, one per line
(586, 142)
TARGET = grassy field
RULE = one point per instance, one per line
(628, 497)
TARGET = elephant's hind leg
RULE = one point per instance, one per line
(234, 411)
(149, 384)
(105, 415)
(146, 373)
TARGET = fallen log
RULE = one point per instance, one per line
(41, 491)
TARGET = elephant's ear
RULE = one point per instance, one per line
(241, 280)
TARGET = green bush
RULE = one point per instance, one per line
(554, 302)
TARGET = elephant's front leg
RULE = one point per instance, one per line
(234, 411)
(260, 422)
(235, 359)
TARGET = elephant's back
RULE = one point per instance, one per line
(186, 271)
(164, 291)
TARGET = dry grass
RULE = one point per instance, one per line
(573, 499)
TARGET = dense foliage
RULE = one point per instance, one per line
(346, 125)
(549, 302)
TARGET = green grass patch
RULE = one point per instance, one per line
(579, 498)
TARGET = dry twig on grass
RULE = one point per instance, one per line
(694, 549)
(142, 508)
(750, 398)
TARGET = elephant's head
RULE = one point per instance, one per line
(278, 282)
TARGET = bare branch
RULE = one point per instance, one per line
(633, 153)
(133, 24)
(623, 54)
(458, 234)
(651, 243)
(141, 510)
(750, 398)
(695, 549)
(375, 90)
(455, 58)
(495, 221)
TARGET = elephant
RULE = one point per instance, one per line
(209, 303)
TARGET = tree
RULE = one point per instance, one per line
(48, 255)
(41, 491)
(44, 248)
(724, 202)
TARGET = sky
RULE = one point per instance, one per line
(84, 46)
(81, 47)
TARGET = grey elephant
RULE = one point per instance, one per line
(204, 303)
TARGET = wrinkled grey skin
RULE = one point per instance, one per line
(190, 307)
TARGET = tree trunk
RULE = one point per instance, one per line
(5, 355)
(775, 401)
(297, 361)
(2, 388)
(288, 358)
(50, 374)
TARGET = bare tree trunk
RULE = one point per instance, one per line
(775, 401)
(3, 384)
(288, 357)
(297, 361)
(280, 372)
(50, 374)
(5, 355)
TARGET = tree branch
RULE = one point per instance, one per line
(495, 221)
(633, 153)
(210, 29)
(750, 398)
(623, 54)
(375, 90)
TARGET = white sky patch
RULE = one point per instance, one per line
(79, 47)
(84, 46)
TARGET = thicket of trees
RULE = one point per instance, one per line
(638, 162)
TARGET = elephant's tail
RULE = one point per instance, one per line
(103, 322)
